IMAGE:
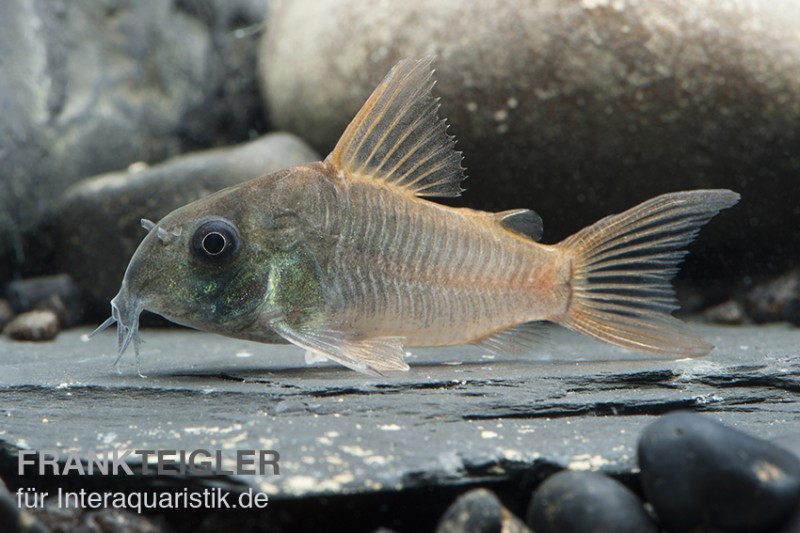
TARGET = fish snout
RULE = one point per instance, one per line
(125, 311)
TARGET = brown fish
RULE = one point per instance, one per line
(346, 260)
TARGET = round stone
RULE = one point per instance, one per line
(698, 473)
(479, 511)
(34, 326)
(586, 502)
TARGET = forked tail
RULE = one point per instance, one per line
(622, 267)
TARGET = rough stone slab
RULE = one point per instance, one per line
(457, 417)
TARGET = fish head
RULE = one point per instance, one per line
(199, 267)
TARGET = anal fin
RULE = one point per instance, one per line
(522, 339)
(368, 355)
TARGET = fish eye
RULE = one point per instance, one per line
(215, 241)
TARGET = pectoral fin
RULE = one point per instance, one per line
(313, 356)
(398, 138)
(369, 356)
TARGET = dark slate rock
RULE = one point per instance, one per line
(586, 502)
(777, 300)
(698, 473)
(98, 224)
(577, 108)
(34, 326)
(91, 87)
(479, 511)
(392, 451)
(57, 293)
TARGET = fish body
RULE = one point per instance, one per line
(345, 259)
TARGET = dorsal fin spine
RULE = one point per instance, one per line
(420, 178)
(410, 153)
(386, 133)
(398, 138)
(390, 129)
(418, 164)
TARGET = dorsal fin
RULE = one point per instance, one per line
(522, 222)
(397, 136)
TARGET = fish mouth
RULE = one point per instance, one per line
(125, 311)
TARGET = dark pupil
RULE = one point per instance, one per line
(214, 243)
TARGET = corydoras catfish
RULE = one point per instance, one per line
(345, 259)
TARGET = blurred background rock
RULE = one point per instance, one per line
(575, 108)
(91, 87)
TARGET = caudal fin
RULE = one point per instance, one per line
(622, 267)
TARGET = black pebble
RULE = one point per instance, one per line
(793, 525)
(789, 442)
(12, 520)
(700, 475)
(9, 512)
(479, 511)
(586, 502)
